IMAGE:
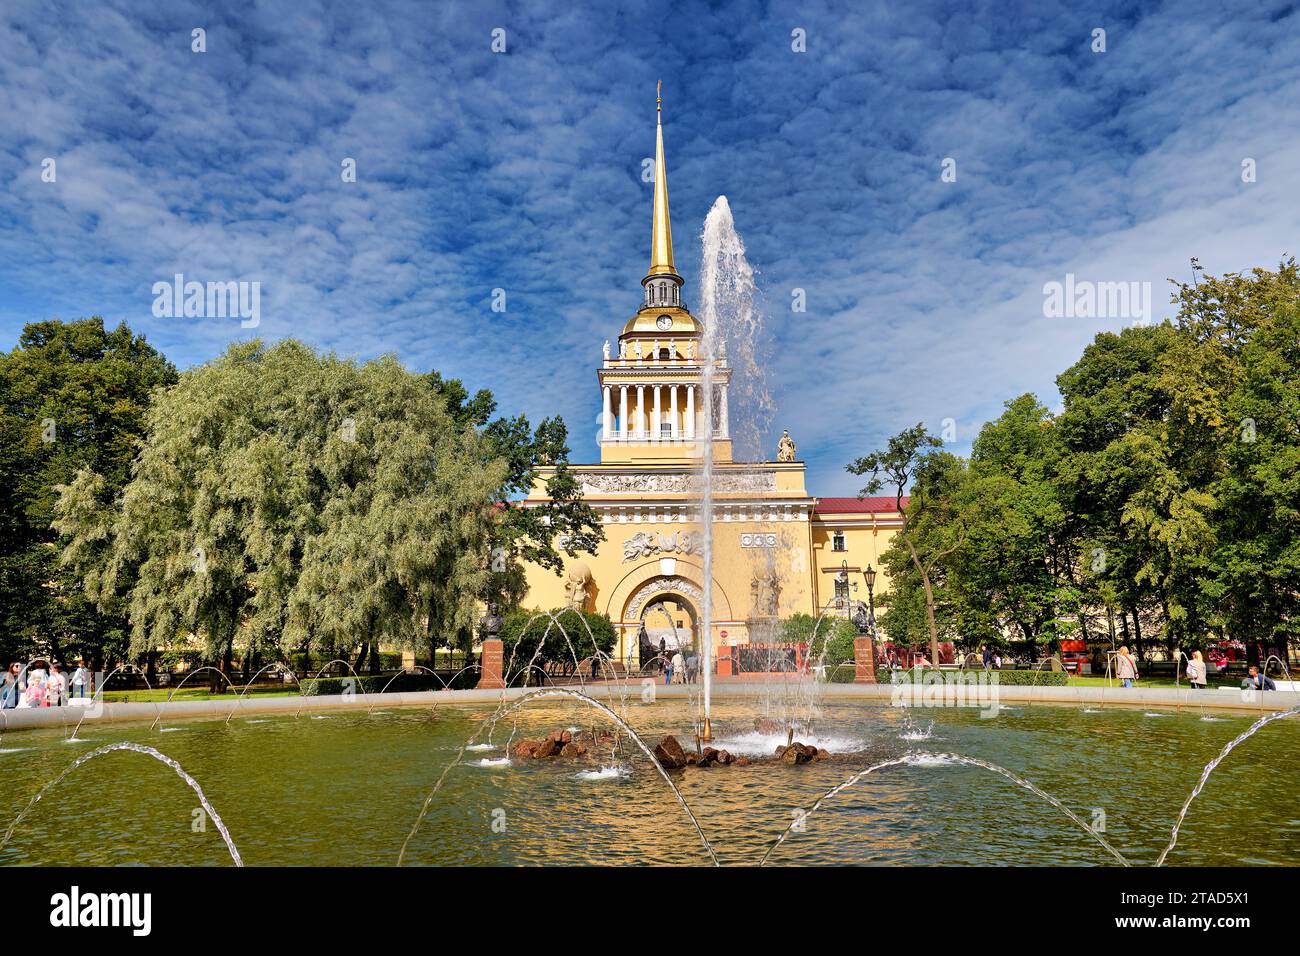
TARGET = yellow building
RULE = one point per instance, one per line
(777, 549)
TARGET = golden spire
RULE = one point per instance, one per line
(661, 236)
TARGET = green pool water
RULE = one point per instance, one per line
(344, 789)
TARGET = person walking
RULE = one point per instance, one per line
(80, 680)
(679, 668)
(988, 657)
(668, 671)
(1196, 671)
(1125, 667)
(11, 691)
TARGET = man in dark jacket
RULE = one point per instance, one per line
(1257, 681)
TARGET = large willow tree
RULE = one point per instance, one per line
(283, 497)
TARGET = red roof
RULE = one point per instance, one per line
(887, 505)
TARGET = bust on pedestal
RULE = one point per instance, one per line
(492, 656)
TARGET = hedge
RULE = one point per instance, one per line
(1006, 678)
(375, 683)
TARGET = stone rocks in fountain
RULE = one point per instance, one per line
(670, 754)
(798, 753)
(557, 743)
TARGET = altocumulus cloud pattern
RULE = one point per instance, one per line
(916, 172)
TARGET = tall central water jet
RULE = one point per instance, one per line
(727, 313)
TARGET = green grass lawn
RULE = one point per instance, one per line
(199, 692)
(1165, 682)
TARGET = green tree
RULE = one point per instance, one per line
(73, 395)
(912, 457)
(560, 523)
(565, 640)
(1013, 571)
(831, 641)
(1256, 584)
(284, 497)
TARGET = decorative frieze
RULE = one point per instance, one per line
(611, 483)
(646, 544)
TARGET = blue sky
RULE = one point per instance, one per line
(521, 171)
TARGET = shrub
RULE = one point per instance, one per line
(375, 683)
(835, 634)
(522, 631)
(1007, 678)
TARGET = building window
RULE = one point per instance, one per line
(664, 355)
(837, 541)
(841, 593)
(665, 429)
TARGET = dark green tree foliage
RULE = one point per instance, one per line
(833, 637)
(570, 638)
(73, 396)
(1167, 491)
(564, 523)
(913, 457)
(283, 497)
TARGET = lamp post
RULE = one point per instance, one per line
(870, 576)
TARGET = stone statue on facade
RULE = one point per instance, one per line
(606, 350)
(639, 356)
(785, 449)
(576, 587)
(764, 593)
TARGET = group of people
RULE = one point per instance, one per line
(679, 669)
(1126, 670)
(35, 686)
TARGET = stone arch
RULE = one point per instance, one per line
(690, 572)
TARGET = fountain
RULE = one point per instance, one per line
(729, 319)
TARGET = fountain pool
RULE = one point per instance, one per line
(346, 791)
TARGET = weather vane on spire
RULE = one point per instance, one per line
(659, 96)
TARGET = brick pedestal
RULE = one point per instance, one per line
(490, 662)
(864, 660)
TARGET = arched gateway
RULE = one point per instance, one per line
(634, 602)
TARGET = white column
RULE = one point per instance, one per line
(659, 412)
(726, 423)
(672, 411)
(622, 412)
(607, 427)
(641, 425)
(690, 411)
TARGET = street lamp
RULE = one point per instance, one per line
(870, 575)
(864, 645)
